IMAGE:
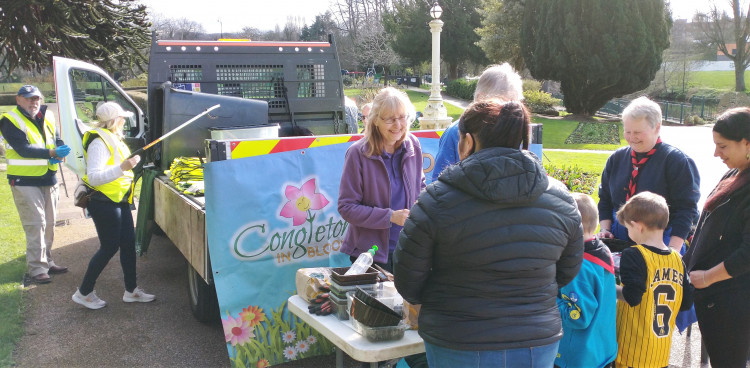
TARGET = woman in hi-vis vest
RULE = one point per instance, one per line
(109, 173)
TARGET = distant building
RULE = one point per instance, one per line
(731, 47)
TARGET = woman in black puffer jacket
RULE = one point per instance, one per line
(486, 248)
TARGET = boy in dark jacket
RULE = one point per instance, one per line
(654, 285)
(588, 305)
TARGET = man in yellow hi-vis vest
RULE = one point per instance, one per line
(33, 153)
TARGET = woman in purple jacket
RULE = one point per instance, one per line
(382, 178)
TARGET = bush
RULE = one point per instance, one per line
(532, 85)
(574, 178)
(540, 102)
(461, 88)
(139, 81)
(348, 81)
(693, 120)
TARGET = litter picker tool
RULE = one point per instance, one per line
(173, 131)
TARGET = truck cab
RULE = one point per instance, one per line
(79, 87)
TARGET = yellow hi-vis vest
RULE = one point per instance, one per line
(23, 166)
(118, 151)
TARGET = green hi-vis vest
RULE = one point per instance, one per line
(118, 151)
(32, 167)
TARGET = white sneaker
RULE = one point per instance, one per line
(90, 301)
(138, 295)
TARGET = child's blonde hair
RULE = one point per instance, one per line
(588, 210)
(648, 208)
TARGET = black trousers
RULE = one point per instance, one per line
(114, 225)
(724, 320)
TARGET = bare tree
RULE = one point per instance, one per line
(293, 28)
(723, 29)
(176, 28)
(352, 15)
(373, 47)
(252, 33)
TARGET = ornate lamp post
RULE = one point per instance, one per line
(435, 114)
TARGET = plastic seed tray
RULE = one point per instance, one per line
(380, 333)
(369, 277)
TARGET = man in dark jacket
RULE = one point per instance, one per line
(486, 249)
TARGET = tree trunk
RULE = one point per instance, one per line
(453, 71)
(739, 77)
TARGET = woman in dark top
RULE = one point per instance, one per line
(487, 246)
(648, 164)
(718, 261)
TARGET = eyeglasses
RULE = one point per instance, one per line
(393, 120)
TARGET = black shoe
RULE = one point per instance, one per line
(54, 270)
(41, 278)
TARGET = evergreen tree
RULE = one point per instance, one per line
(320, 29)
(500, 32)
(596, 49)
(111, 33)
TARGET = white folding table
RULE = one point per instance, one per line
(342, 334)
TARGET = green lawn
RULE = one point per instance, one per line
(12, 268)
(555, 132)
(587, 161)
(419, 100)
(717, 79)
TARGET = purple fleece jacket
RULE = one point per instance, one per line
(365, 196)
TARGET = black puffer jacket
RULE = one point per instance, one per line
(485, 249)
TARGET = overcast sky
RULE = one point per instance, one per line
(232, 15)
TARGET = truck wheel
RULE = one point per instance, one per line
(203, 301)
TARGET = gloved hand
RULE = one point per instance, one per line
(321, 305)
(62, 151)
(54, 161)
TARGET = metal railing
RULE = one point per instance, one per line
(676, 112)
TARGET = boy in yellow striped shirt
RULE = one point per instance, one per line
(654, 285)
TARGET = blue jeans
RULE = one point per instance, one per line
(534, 357)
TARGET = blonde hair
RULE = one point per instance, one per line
(648, 208)
(109, 125)
(588, 210)
(388, 100)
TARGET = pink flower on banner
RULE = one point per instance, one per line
(301, 201)
(236, 330)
